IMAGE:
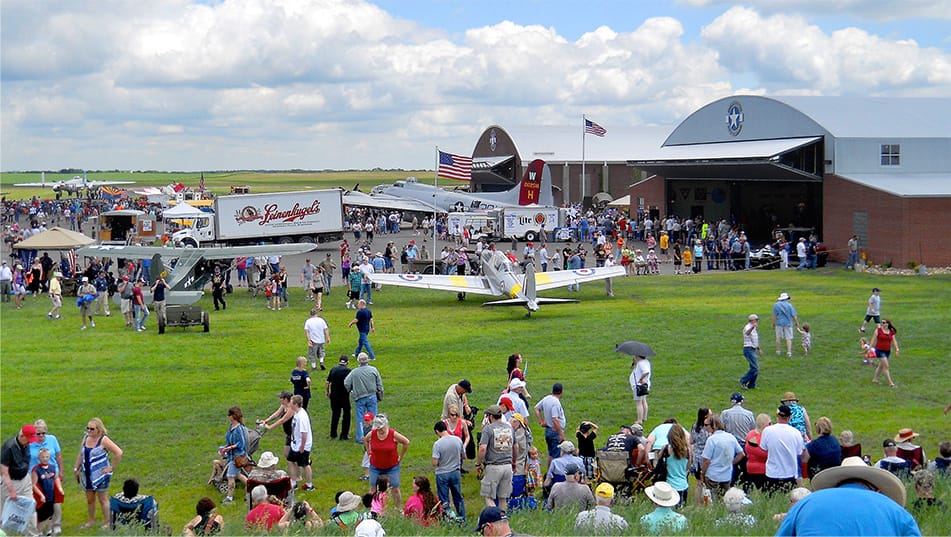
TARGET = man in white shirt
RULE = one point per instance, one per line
(6, 281)
(318, 336)
(601, 520)
(366, 285)
(302, 440)
(785, 451)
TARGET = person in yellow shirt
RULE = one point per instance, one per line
(56, 295)
(664, 245)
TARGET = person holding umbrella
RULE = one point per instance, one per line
(640, 378)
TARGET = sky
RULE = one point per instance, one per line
(184, 85)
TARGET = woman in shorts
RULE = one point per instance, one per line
(883, 342)
(94, 470)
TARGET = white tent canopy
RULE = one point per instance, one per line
(623, 201)
(182, 210)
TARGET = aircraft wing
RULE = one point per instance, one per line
(383, 201)
(94, 184)
(225, 252)
(563, 278)
(48, 184)
(461, 284)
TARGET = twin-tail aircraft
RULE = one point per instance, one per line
(77, 185)
(189, 272)
(534, 188)
(499, 278)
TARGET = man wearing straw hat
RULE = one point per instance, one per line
(852, 499)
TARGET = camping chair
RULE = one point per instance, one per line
(900, 469)
(916, 457)
(855, 450)
(143, 512)
(279, 488)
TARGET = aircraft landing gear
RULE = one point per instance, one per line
(460, 296)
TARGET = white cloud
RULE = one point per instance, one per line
(171, 84)
(789, 54)
(884, 10)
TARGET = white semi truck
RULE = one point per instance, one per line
(312, 216)
(524, 223)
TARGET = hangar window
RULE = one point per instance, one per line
(891, 154)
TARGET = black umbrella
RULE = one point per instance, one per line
(635, 348)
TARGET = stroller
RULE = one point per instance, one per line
(218, 478)
(615, 467)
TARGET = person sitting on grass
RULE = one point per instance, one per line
(264, 515)
(206, 521)
(601, 520)
(924, 487)
(301, 515)
(797, 494)
(736, 501)
(571, 493)
(663, 519)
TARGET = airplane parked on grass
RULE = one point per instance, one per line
(499, 278)
(188, 275)
(76, 185)
(534, 188)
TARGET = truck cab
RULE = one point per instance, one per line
(200, 231)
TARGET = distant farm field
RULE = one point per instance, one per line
(164, 397)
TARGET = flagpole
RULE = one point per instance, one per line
(582, 160)
(432, 225)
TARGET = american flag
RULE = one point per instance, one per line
(590, 127)
(454, 167)
(201, 182)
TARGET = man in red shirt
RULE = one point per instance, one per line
(264, 514)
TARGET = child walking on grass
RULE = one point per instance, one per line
(806, 338)
(868, 352)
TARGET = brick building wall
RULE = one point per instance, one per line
(890, 227)
(654, 191)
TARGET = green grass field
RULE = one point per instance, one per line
(164, 398)
(220, 182)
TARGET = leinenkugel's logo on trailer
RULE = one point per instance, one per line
(734, 118)
(273, 212)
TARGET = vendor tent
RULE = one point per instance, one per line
(182, 210)
(56, 238)
(623, 201)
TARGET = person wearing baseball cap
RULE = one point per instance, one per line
(15, 478)
(737, 420)
(785, 449)
(873, 312)
(493, 522)
(601, 520)
(336, 391)
(571, 493)
(457, 394)
(852, 499)
(751, 351)
(56, 295)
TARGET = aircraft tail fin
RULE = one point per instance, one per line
(535, 186)
(528, 284)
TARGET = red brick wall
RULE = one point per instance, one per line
(899, 229)
(654, 192)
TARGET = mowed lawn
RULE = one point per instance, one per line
(164, 398)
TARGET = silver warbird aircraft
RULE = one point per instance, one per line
(76, 185)
(499, 278)
(189, 274)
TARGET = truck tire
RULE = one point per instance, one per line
(531, 235)
(285, 240)
(306, 239)
(204, 321)
(189, 243)
(161, 325)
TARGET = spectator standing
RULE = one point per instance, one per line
(496, 460)
(784, 317)
(447, 456)
(785, 449)
(318, 337)
(94, 470)
(302, 440)
(15, 480)
(365, 386)
(365, 327)
(336, 391)
(720, 453)
(640, 381)
(751, 351)
(551, 416)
